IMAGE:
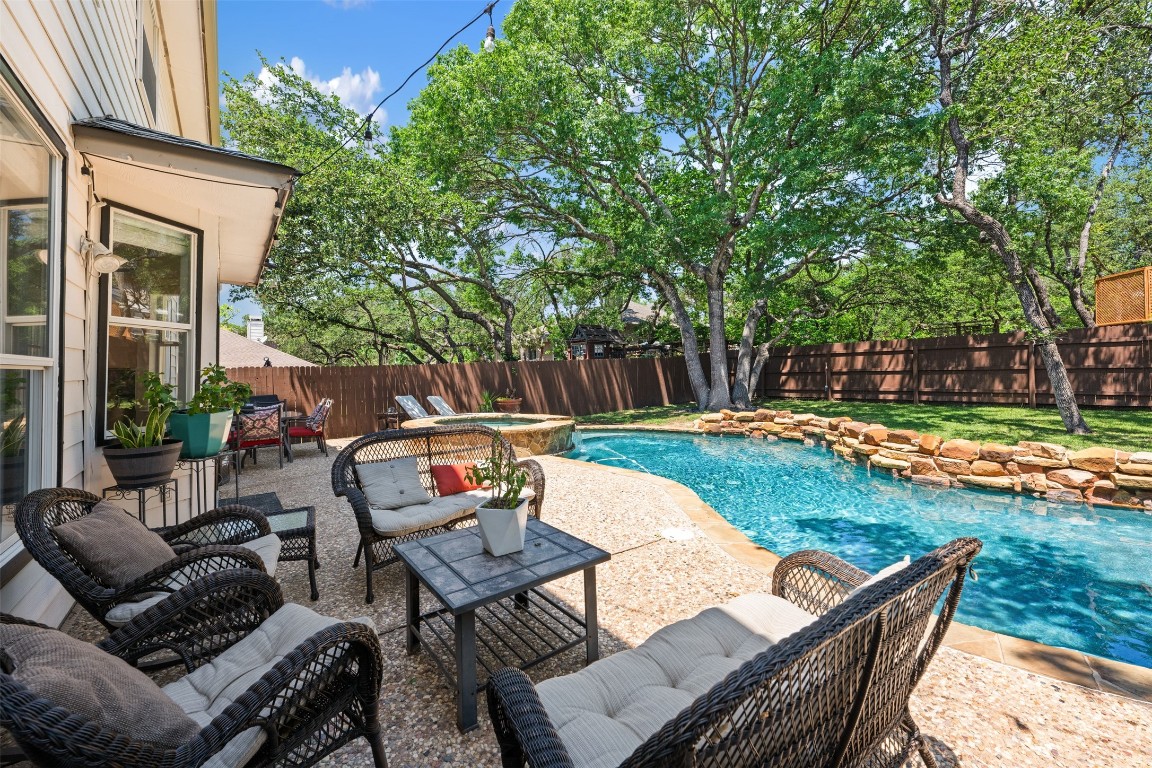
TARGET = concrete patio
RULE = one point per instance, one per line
(975, 711)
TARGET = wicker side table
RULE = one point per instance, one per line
(297, 531)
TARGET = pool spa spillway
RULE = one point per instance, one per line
(533, 433)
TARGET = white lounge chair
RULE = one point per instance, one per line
(442, 408)
(412, 407)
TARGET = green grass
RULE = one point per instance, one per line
(1128, 429)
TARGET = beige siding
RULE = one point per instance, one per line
(78, 59)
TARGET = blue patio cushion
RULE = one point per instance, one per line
(606, 710)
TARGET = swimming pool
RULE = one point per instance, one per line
(1059, 574)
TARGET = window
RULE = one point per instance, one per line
(578, 351)
(29, 252)
(149, 300)
(148, 34)
(597, 350)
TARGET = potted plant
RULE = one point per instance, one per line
(204, 422)
(12, 451)
(503, 518)
(145, 456)
(508, 402)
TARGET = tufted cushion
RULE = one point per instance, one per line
(113, 545)
(207, 691)
(95, 685)
(268, 547)
(417, 517)
(392, 484)
(606, 710)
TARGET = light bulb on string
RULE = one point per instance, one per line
(490, 39)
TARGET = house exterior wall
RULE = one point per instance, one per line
(78, 60)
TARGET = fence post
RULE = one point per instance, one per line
(1031, 374)
(915, 375)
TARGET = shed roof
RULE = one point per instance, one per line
(596, 333)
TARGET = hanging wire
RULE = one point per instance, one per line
(364, 129)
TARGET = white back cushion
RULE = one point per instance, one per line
(392, 484)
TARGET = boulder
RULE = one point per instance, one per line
(929, 444)
(842, 450)
(903, 436)
(1140, 457)
(1066, 495)
(873, 435)
(711, 418)
(865, 450)
(1034, 482)
(782, 420)
(1072, 478)
(712, 429)
(887, 462)
(783, 414)
(922, 465)
(792, 434)
(901, 447)
(1044, 450)
(898, 455)
(984, 468)
(1132, 468)
(763, 414)
(745, 416)
(821, 422)
(757, 433)
(954, 466)
(803, 418)
(993, 483)
(941, 481)
(773, 428)
(1132, 482)
(852, 428)
(1041, 461)
(965, 450)
(812, 431)
(1094, 459)
(836, 421)
(727, 413)
(997, 452)
(831, 437)
(732, 431)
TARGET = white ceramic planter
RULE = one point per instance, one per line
(502, 530)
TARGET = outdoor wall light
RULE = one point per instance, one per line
(103, 260)
(42, 255)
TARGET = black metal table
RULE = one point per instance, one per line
(297, 531)
(162, 489)
(491, 612)
(198, 475)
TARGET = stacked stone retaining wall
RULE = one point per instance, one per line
(1045, 470)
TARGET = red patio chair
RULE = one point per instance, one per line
(312, 428)
(263, 427)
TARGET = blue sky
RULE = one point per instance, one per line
(359, 49)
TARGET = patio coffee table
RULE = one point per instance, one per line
(491, 612)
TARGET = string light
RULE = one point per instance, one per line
(365, 127)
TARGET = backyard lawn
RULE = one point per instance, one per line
(1128, 429)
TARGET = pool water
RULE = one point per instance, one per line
(1060, 574)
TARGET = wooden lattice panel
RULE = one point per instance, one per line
(1125, 297)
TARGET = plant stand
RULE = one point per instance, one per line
(161, 489)
(199, 477)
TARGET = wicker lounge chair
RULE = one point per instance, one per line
(308, 684)
(380, 529)
(228, 537)
(812, 675)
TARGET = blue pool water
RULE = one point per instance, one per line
(1059, 574)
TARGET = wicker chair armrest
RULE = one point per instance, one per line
(7, 618)
(536, 480)
(523, 729)
(301, 691)
(201, 620)
(359, 503)
(190, 566)
(815, 580)
(229, 524)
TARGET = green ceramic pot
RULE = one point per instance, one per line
(203, 434)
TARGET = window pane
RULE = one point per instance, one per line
(155, 282)
(132, 352)
(19, 462)
(25, 180)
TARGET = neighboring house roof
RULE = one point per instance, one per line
(237, 351)
(636, 313)
(596, 333)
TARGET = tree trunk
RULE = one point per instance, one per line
(696, 375)
(717, 345)
(741, 386)
(763, 352)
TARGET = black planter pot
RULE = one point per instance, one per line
(142, 467)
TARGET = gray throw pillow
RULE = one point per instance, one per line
(392, 484)
(95, 685)
(113, 545)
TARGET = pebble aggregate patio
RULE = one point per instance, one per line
(976, 712)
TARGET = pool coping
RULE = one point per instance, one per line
(1065, 664)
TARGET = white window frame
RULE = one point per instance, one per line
(188, 370)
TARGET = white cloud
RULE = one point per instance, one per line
(357, 90)
(344, 5)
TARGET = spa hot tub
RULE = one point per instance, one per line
(531, 433)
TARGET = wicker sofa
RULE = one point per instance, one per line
(381, 529)
(818, 673)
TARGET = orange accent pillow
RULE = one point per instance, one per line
(452, 478)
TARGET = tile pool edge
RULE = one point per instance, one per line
(1065, 664)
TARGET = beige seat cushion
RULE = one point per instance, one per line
(207, 691)
(95, 685)
(268, 547)
(392, 484)
(112, 545)
(438, 511)
(606, 710)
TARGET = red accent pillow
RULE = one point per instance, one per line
(452, 478)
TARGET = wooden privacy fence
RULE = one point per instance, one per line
(1109, 366)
